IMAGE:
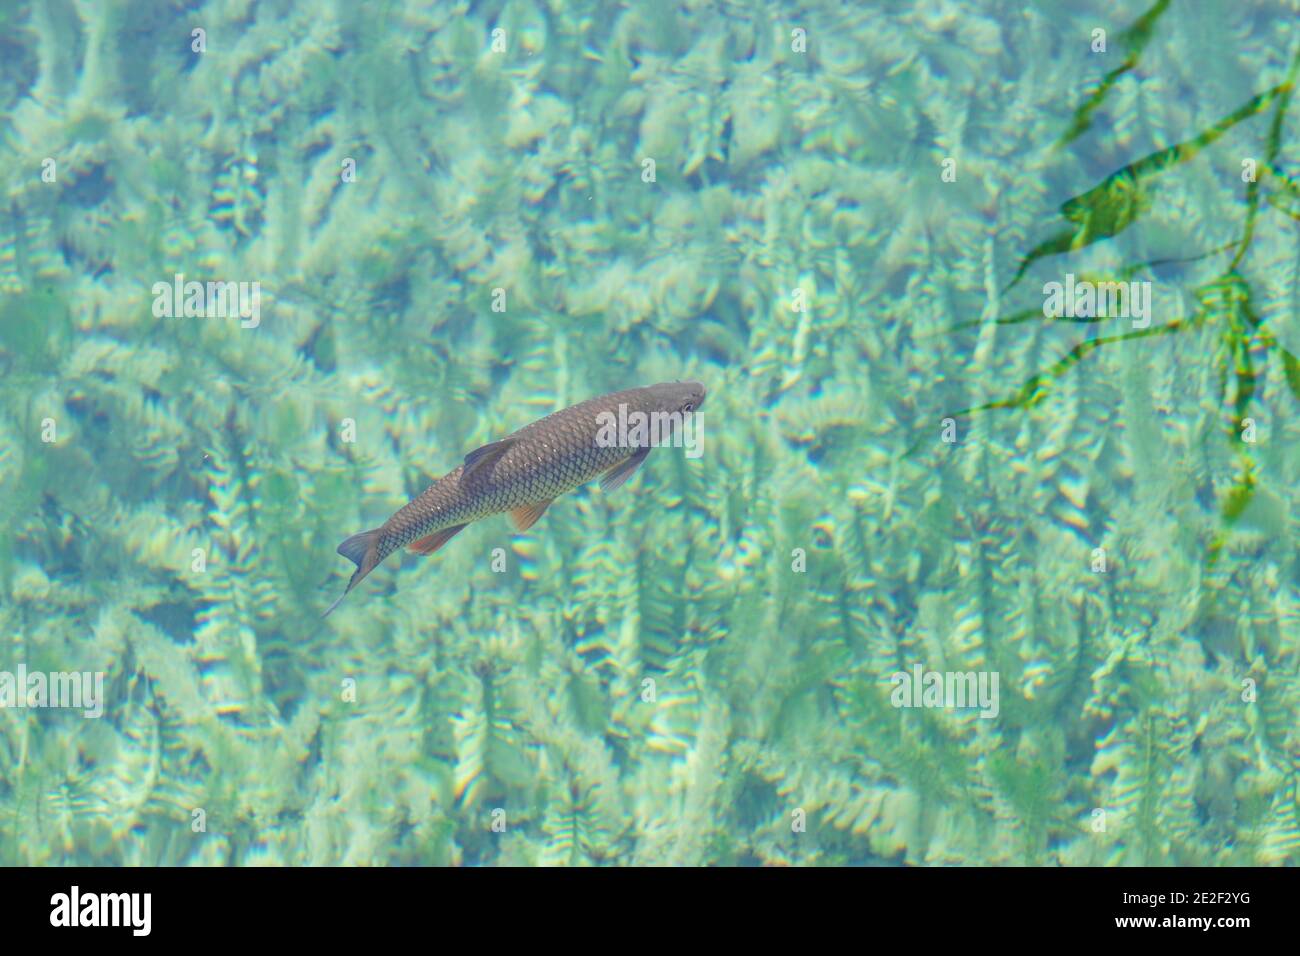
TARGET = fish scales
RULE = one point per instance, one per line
(521, 474)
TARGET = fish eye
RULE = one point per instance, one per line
(689, 406)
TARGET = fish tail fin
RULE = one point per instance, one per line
(362, 550)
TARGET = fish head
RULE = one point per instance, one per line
(684, 397)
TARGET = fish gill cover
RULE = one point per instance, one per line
(268, 269)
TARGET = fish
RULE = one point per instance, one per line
(527, 470)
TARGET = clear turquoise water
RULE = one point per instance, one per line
(821, 211)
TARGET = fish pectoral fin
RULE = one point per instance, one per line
(483, 459)
(525, 516)
(431, 543)
(623, 470)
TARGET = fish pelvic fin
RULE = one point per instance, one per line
(525, 516)
(362, 550)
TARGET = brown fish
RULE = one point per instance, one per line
(525, 471)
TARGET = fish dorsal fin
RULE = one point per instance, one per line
(525, 516)
(623, 470)
(432, 542)
(481, 460)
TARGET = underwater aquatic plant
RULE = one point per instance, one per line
(682, 683)
(1224, 302)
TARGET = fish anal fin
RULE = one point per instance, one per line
(432, 542)
(482, 460)
(525, 516)
(623, 470)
